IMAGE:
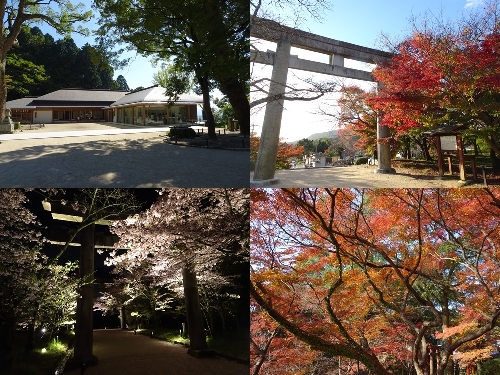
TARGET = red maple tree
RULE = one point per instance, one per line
(380, 276)
(445, 74)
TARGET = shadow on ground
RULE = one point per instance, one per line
(122, 163)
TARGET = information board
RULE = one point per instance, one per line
(448, 142)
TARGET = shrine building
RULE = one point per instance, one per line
(148, 106)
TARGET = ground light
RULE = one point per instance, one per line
(44, 350)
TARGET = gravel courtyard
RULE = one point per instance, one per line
(102, 155)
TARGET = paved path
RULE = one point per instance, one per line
(135, 157)
(121, 353)
(84, 129)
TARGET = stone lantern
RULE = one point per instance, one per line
(7, 126)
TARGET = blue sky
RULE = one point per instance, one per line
(138, 73)
(360, 22)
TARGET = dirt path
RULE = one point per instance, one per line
(121, 352)
(363, 176)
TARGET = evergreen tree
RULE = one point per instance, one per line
(123, 83)
(87, 72)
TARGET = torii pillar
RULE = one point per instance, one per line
(383, 146)
(269, 140)
(84, 309)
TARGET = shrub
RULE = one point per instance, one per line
(182, 133)
(360, 161)
(17, 125)
(489, 366)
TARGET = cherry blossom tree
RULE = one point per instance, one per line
(19, 239)
(187, 232)
(34, 291)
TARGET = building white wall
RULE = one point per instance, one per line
(42, 117)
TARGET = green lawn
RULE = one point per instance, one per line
(230, 344)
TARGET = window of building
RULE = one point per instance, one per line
(156, 115)
(138, 119)
(128, 116)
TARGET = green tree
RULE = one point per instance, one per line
(27, 77)
(122, 82)
(64, 64)
(208, 38)
(60, 14)
(225, 111)
(229, 37)
(307, 144)
(86, 72)
(138, 89)
(322, 144)
(175, 80)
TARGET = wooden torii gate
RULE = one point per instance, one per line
(281, 60)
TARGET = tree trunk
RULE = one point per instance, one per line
(197, 340)
(237, 95)
(421, 358)
(424, 147)
(495, 161)
(123, 317)
(7, 329)
(3, 87)
(205, 89)
(262, 352)
(30, 341)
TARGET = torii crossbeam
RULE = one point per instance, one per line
(281, 60)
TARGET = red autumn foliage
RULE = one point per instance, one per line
(379, 276)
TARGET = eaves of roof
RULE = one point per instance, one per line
(72, 104)
(151, 103)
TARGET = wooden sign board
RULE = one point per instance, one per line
(448, 142)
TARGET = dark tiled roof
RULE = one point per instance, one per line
(70, 103)
(82, 95)
(23, 103)
(83, 98)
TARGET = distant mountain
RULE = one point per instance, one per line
(330, 134)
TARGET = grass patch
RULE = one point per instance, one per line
(165, 334)
(42, 360)
(230, 344)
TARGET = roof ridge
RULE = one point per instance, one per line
(146, 88)
(82, 89)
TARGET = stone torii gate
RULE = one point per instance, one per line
(87, 240)
(281, 60)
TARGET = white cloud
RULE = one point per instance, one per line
(473, 3)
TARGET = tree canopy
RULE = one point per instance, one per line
(40, 65)
(393, 278)
(208, 38)
(187, 232)
(445, 73)
(62, 15)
